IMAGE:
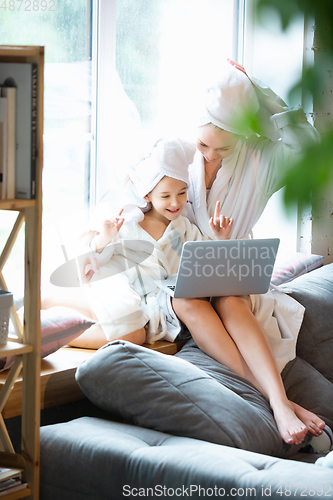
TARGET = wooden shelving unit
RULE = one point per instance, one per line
(27, 347)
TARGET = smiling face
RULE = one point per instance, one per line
(215, 144)
(168, 198)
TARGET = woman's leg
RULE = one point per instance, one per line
(210, 335)
(214, 338)
(251, 340)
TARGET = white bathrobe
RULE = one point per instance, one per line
(250, 175)
(129, 299)
(125, 297)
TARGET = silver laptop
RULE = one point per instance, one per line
(221, 268)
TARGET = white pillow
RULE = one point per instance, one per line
(59, 325)
(294, 264)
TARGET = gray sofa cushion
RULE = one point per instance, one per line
(169, 394)
(96, 459)
(303, 377)
(304, 384)
(307, 387)
(315, 341)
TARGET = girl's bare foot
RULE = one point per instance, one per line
(291, 428)
(313, 423)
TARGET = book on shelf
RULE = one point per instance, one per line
(9, 483)
(11, 486)
(10, 478)
(2, 146)
(23, 76)
(9, 473)
(8, 141)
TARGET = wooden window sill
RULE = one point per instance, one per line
(58, 384)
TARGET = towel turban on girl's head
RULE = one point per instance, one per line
(228, 100)
(169, 157)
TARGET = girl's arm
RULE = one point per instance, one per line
(93, 243)
(109, 232)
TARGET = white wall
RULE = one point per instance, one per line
(277, 58)
(316, 225)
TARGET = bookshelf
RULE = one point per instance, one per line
(27, 345)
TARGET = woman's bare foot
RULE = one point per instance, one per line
(313, 423)
(291, 428)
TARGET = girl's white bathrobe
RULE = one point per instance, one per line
(250, 175)
(125, 297)
(130, 298)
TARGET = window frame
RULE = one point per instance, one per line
(104, 54)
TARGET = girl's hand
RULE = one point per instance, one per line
(109, 231)
(87, 258)
(220, 225)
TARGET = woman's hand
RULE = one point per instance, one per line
(273, 104)
(220, 225)
(238, 66)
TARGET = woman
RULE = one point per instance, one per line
(241, 169)
(235, 165)
(238, 167)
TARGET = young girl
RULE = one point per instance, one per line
(147, 249)
(225, 328)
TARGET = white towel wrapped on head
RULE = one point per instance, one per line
(169, 157)
(228, 100)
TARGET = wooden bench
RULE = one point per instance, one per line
(58, 384)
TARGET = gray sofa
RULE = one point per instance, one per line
(183, 425)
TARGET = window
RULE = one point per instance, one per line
(163, 53)
(152, 65)
(119, 74)
(155, 58)
(65, 29)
